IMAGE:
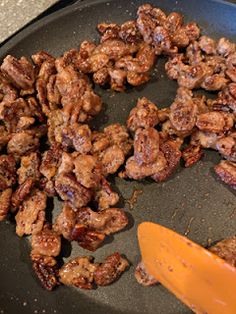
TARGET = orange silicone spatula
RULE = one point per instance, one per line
(200, 279)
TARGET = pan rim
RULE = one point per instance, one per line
(23, 34)
(60, 13)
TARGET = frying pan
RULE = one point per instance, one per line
(192, 202)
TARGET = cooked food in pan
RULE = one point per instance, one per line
(50, 149)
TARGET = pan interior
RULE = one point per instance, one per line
(192, 201)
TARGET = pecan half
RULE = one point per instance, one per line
(87, 239)
(110, 270)
(191, 155)
(46, 269)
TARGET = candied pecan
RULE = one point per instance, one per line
(226, 249)
(146, 145)
(214, 121)
(216, 63)
(207, 45)
(46, 270)
(87, 238)
(173, 22)
(69, 58)
(112, 158)
(192, 76)
(98, 61)
(101, 77)
(232, 89)
(115, 49)
(105, 196)
(50, 161)
(205, 139)
(184, 94)
(163, 114)
(4, 137)
(214, 82)
(169, 130)
(157, 14)
(13, 112)
(7, 171)
(231, 66)
(118, 135)
(24, 123)
(88, 171)
(78, 272)
(174, 65)
(180, 38)
(5, 203)
(231, 73)
(201, 102)
(85, 51)
(78, 100)
(86, 48)
(193, 54)
(192, 30)
(148, 19)
(41, 56)
(225, 47)
(136, 79)
(46, 242)
(129, 32)
(35, 109)
(47, 68)
(7, 91)
(19, 72)
(69, 189)
(67, 163)
(22, 143)
(91, 105)
(55, 126)
(100, 141)
(48, 186)
(142, 276)
(118, 79)
(183, 115)
(65, 222)
(172, 155)
(143, 61)
(31, 215)
(231, 60)
(226, 147)
(29, 168)
(192, 154)
(226, 171)
(53, 94)
(136, 171)
(144, 115)
(108, 31)
(108, 221)
(145, 21)
(22, 191)
(77, 136)
(161, 40)
(110, 270)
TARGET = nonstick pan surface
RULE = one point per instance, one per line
(192, 202)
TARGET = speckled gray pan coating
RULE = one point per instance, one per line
(189, 193)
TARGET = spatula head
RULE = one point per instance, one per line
(200, 279)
